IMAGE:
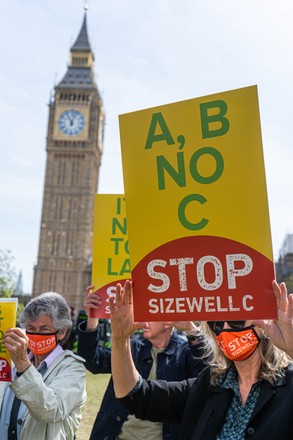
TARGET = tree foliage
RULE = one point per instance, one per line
(7, 274)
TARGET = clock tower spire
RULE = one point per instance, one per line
(81, 67)
(74, 150)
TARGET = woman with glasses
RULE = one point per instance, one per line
(245, 393)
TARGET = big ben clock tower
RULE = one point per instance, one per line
(74, 149)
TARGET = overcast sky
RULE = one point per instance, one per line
(147, 53)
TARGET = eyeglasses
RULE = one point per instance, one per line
(217, 326)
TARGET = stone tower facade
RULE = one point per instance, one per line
(74, 149)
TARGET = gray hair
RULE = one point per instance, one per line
(49, 304)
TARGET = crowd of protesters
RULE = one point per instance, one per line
(176, 380)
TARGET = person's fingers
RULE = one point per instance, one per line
(283, 304)
(183, 325)
(89, 289)
(10, 347)
(14, 343)
(112, 303)
(93, 297)
(96, 306)
(16, 334)
(261, 323)
(138, 325)
(13, 337)
(17, 343)
(290, 306)
(277, 292)
(92, 300)
(127, 294)
(16, 330)
(118, 295)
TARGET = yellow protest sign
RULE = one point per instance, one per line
(197, 209)
(8, 308)
(111, 263)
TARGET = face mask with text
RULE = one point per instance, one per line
(40, 343)
(238, 345)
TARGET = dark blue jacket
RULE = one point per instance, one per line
(180, 360)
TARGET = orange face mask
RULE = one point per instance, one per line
(40, 343)
(238, 345)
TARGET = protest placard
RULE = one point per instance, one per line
(111, 263)
(8, 308)
(197, 209)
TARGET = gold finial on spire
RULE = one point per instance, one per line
(85, 5)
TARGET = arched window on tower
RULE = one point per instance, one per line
(58, 213)
(66, 282)
(75, 172)
(61, 172)
(69, 242)
(55, 243)
(52, 281)
(72, 211)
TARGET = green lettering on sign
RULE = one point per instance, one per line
(116, 224)
(125, 267)
(219, 118)
(164, 135)
(110, 271)
(178, 175)
(219, 165)
(182, 216)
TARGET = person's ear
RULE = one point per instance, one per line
(61, 334)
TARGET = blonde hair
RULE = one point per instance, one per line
(273, 360)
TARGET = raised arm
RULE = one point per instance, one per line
(90, 346)
(92, 302)
(124, 373)
(281, 330)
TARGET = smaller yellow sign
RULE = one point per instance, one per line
(111, 262)
(8, 307)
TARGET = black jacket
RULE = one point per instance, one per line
(200, 408)
(178, 361)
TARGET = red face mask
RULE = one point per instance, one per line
(238, 345)
(40, 343)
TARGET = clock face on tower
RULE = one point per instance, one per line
(71, 122)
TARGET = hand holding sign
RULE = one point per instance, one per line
(15, 341)
(8, 308)
(188, 326)
(121, 308)
(92, 305)
(280, 331)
